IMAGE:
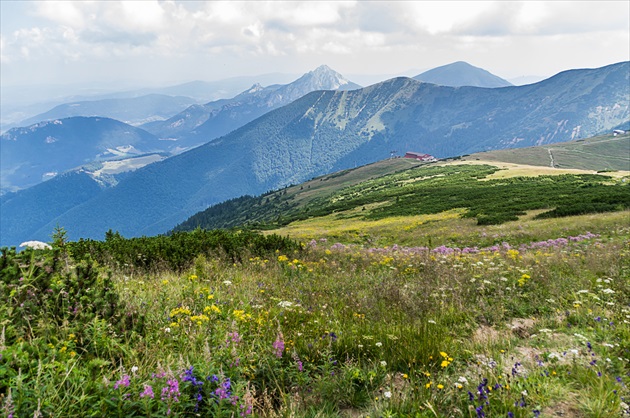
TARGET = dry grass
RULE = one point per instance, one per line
(509, 170)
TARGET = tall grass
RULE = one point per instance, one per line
(332, 330)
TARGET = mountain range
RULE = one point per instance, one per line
(134, 111)
(20, 103)
(326, 131)
(43, 150)
(201, 123)
(28, 156)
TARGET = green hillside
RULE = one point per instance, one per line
(604, 152)
(474, 186)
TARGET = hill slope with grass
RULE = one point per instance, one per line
(481, 186)
(599, 153)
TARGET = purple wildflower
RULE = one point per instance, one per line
(298, 362)
(190, 377)
(223, 391)
(122, 382)
(481, 389)
(171, 390)
(233, 337)
(480, 413)
(515, 369)
(278, 345)
(148, 392)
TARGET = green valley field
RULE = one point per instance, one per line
(484, 286)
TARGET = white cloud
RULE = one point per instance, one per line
(359, 36)
(66, 13)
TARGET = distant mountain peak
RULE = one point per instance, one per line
(323, 69)
(461, 73)
(255, 88)
(325, 78)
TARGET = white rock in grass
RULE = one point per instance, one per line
(36, 245)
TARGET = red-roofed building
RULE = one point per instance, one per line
(420, 157)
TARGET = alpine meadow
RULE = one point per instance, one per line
(277, 239)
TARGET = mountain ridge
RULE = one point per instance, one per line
(202, 123)
(133, 111)
(32, 153)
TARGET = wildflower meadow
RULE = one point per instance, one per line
(521, 324)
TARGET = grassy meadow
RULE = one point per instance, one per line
(366, 310)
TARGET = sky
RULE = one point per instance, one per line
(151, 43)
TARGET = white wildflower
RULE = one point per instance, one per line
(285, 304)
(387, 394)
(383, 363)
(227, 282)
(462, 379)
(134, 369)
(582, 291)
(36, 245)
(432, 321)
(608, 291)
(379, 344)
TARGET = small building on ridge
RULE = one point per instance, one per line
(420, 157)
